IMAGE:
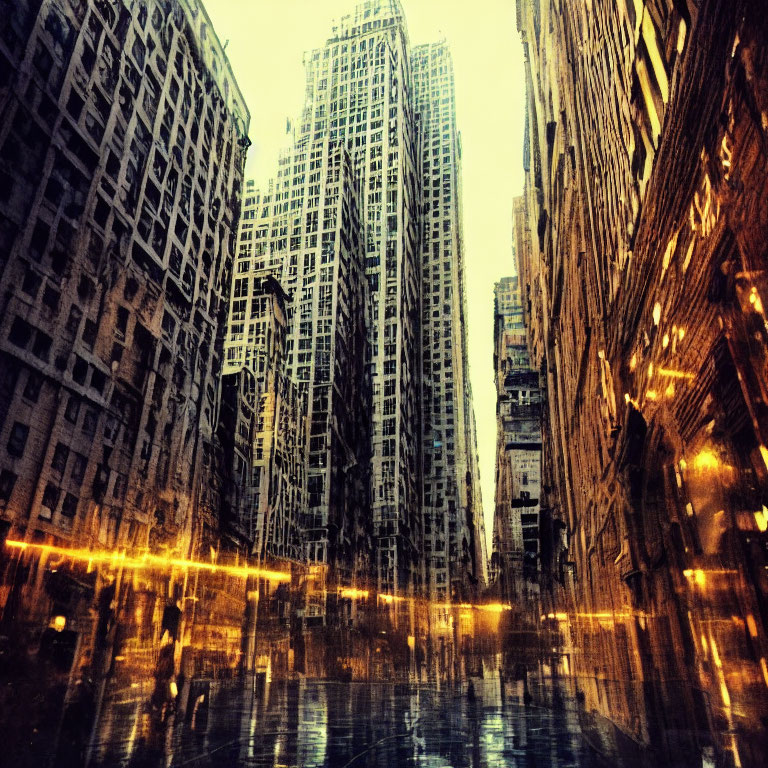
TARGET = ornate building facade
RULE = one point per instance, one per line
(640, 245)
(346, 202)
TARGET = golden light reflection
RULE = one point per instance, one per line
(146, 560)
(349, 592)
(764, 454)
(674, 374)
(706, 460)
(696, 575)
(764, 668)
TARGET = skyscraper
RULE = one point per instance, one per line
(358, 93)
(348, 198)
(454, 537)
(122, 144)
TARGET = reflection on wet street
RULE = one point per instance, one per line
(314, 723)
(301, 674)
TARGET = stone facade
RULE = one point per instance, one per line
(640, 242)
(454, 531)
(122, 143)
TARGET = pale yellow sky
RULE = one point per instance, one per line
(267, 39)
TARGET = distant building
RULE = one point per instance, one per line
(515, 558)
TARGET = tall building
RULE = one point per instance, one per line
(515, 558)
(641, 247)
(347, 201)
(346, 198)
(323, 342)
(454, 535)
(359, 92)
(122, 143)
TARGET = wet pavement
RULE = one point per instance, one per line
(479, 723)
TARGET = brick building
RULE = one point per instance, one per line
(640, 245)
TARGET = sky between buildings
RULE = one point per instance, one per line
(266, 43)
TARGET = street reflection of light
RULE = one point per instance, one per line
(672, 373)
(751, 625)
(706, 460)
(174, 689)
(665, 341)
(633, 362)
(146, 560)
(656, 313)
(59, 623)
(651, 394)
(689, 509)
(650, 370)
(670, 390)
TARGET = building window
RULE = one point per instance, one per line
(7, 483)
(32, 387)
(78, 469)
(18, 439)
(60, 456)
(73, 410)
(50, 501)
(69, 505)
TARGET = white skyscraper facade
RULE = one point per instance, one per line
(454, 539)
(347, 225)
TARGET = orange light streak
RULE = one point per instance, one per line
(147, 560)
(676, 374)
(353, 593)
